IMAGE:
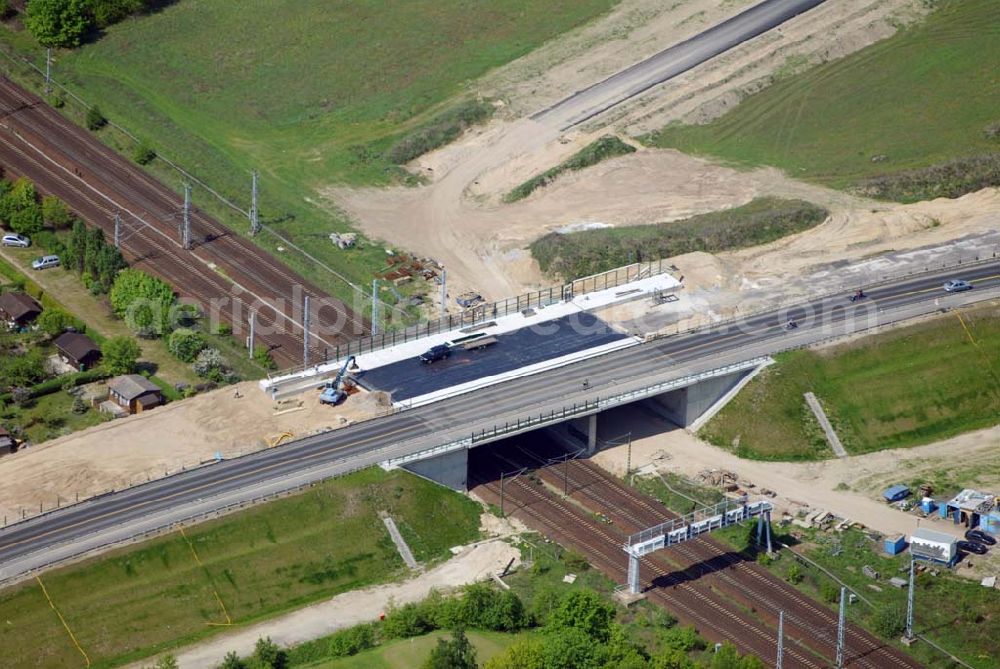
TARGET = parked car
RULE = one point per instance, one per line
(13, 239)
(972, 547)
(981, 537)
(956, 286)
(45, 262)
(435, 353)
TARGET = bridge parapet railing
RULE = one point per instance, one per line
(480, 315)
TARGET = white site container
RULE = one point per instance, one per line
(932, 545)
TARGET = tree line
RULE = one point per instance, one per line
(66, 23)
(574, 629)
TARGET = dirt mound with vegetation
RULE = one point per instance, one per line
(758, 222)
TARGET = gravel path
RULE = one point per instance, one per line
(475, 563)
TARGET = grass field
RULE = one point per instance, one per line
(137, 601)
(905, 387)
(305, 92)
(409, 653)
(920, 98)
(589, 252)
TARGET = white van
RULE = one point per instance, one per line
(45, 262)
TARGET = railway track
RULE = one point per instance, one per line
(63, 160)
(690, 601)
(742, 580)
(806, 621)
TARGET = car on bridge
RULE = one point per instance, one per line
(435, 353)
(956, 286)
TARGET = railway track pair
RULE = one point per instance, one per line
(221, 268)
(751, 596)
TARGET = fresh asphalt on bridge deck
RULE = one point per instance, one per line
(34, 543)
(411, 378)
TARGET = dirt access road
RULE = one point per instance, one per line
(220, 268)
(459, 217)
(230, 421)
(474, 563)
(848, 487)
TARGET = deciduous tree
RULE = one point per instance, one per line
(55, 212)
(120, 354)
(454, 653)
(54, 322)
(142, 301)
(57, 23)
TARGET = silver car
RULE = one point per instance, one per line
(16, 240)
(956, 286)
(45, 262)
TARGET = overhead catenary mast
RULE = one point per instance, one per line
(254, 213)
(186, 222)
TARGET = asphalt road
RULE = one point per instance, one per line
(73, 530)
(588, 103)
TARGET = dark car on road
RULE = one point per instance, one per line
(981, 537)
(435, 353)
(972, 547)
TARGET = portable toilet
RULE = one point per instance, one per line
(943, 510)
(894, 545)
(927, 505)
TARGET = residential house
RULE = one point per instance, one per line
(78, 350)
(18, 309)
(134, 393)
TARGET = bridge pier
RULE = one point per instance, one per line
(685, 406)
(449, 469)
(576, 433)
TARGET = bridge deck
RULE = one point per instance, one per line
(411, 378)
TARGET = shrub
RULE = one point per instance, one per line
(952, 179)
(48, 241)
(27, 221)
(143, 301)
(351, 641)
(54, 322)
(591, 251)
(95, 119)
(186, 344)
(586, 611)
(442, 129)
(108, 12)
(682, 638)
(889, 621)
(603, 148)
(262, 356)
(484, 607)
(55, 212)
(120, 355)
(143, 154)
(406, 621)
(209, 364)
(830, 592)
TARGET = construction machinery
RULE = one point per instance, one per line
(335, 389)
